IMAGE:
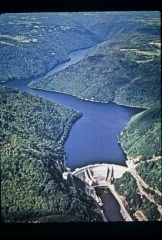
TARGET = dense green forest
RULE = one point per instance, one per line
(124, 69)
(141, 141)
(141, 137)
(32, 44)
(135, 203)
(150, 172)
(33, 131)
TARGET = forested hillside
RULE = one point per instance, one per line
(150, 171)
(33, 131)
(32, 44)
(107, 24)
(123, 65)
(138, 204)
(141, 141)
(141, 137)
(125, 69)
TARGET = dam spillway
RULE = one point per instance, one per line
(102, 176)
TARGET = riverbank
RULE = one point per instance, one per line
(88, 100)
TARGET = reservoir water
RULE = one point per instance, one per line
(93, 138)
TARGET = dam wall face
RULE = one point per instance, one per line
(102, 170)
(119, 171)
(102, 175)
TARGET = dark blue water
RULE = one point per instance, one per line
(93, 138)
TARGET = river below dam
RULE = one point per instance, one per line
(110, 206)
(93, 138)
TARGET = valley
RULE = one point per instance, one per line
(122, 68)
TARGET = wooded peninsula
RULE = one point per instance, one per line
(122, 66)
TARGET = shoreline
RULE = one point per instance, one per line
(89, 100)
(57, 64)
(96, 102)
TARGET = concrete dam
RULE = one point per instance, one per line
(102, 176)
